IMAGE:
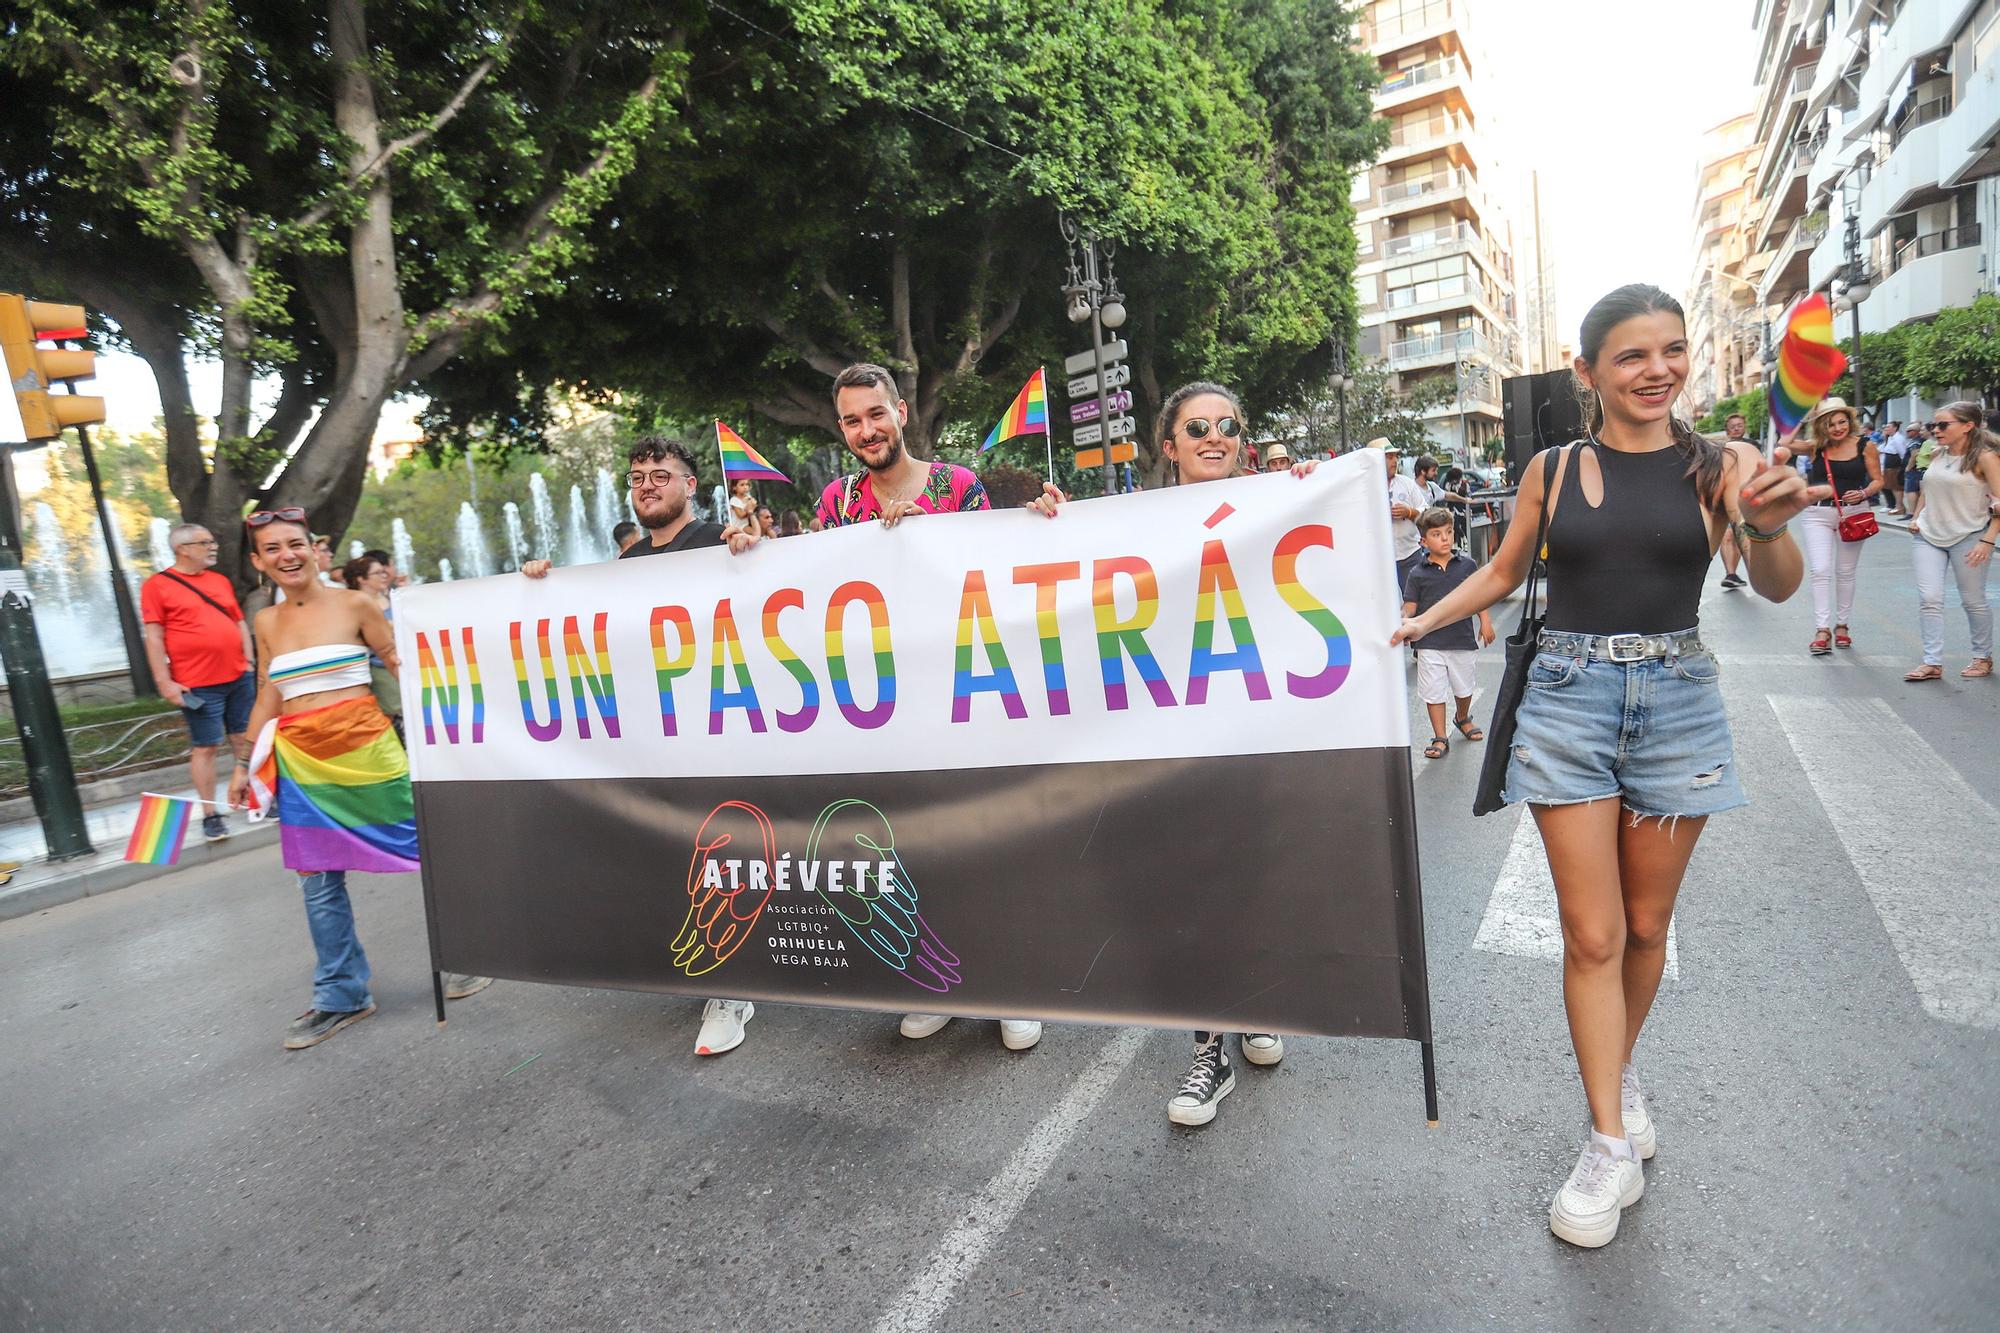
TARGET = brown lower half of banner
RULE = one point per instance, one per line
(1248, 893)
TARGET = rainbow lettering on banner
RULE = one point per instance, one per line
(666, 670)
(603, 691)
(1116, 638)
(887, 923)
(791, 599)
(975, 622)
(720, 917)
(156, 837)
(885, 654)
(1028, 414)
(740, 462)
(1285, 575)
(1808, 363)
(726, 651)
(541, 731)
(1048, 629)
(441, 686)
(1218, 578)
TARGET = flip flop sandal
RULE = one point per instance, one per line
(1982, 666)
(1468, 729)
(1925, 673)
(1438, 748)
(1841, 638)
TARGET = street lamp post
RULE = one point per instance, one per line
(1470, 374)
(1342, 382)
(1855, 289)
(1096, 298)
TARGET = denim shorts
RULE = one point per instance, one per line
(225, 709)
(1650, 732)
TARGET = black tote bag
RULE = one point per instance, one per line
(1521, 647)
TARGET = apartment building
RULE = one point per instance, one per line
(1880, 121)
(1436, 270)
(1725, 315)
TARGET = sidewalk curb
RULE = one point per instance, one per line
(105, 791)
(62, 888)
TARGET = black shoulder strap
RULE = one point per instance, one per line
(168, 573)
(1553, 469)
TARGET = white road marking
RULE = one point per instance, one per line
(993, 1209)
(1935, 889)
(1521, 918)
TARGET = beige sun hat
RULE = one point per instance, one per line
(1275, 450)
(1827, 407)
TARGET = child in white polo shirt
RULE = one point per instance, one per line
(1444, 656)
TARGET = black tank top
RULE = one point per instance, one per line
(1849, 474)
(1634, 564)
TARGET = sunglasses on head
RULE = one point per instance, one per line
(288, 514)
(1197, 428)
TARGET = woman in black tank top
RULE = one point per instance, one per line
(1834, 443)
(1621, 747)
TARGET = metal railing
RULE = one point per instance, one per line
(1429, 131)
(1451, 67)
(1437, 238)
(1917, 114)
(1412, 19)
(1441, 289)
(1459, 342)
(1438, 182)
(102, 749)
(1934, 243)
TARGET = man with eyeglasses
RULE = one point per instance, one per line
(198, 646)
(662, 478)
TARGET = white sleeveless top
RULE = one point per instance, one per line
(1954, 502)
(327, 666)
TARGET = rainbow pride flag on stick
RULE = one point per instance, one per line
(163, 824)
(739, 460)
(1028, 414)
(1808, 363)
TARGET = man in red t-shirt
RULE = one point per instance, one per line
(199, 648)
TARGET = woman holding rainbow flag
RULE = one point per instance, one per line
(328, 758)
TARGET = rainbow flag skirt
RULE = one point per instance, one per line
(340, 782)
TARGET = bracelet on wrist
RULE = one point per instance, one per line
(1758, 534)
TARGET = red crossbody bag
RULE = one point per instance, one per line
(1856, 527)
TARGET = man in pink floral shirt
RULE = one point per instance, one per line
(892, 484)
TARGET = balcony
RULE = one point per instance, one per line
(1431, 298)
(1827, 259)
(1438, 349)
(1420, 81)
(1437, 134)
(1429, 191)
(1409, 27)
(1789, 262)
(1969, 145)
(1906, 179)
(1930, 273)
(1919, 28)
(1432, 244)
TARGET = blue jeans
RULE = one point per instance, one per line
(340, 977)
(1931, 562)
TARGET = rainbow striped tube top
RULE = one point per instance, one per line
(326, 666)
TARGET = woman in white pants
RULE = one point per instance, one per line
(1955, 528)
(1842, 470)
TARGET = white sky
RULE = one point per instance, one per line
(1607, 99)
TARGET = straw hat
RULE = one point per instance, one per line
(1829, 406)
(1276, 452)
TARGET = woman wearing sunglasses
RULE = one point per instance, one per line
(1200, 433)
(1955, 527)
(329, 761)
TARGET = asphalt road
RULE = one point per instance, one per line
(558, 1159)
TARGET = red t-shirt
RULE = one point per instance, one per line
(204, 647)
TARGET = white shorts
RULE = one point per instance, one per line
(1444, 674)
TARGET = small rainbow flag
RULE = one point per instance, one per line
(739, 460)
(1808, 363)
(1027, 415)
(163, 823)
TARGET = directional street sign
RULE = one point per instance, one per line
(1087, 409)
(1085, 363)
(1113, 377)
(1121, 428)
(1123, 451)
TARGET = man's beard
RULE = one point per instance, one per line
(672, 506)
(895, 455)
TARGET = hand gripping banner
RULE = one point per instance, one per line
(1145, 762)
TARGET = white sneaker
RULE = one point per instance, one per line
(1638, 1120)
(1599, 1188)
(722, 1026)
(918, 1026)
(1263, 1048)
(1019, 1036)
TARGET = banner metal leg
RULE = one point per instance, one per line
(437, 992)
(1430, 1085)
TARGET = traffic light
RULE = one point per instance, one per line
(33, 370)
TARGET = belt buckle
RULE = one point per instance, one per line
(1615, 646)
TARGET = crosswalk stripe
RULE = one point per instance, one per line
(1934, 888)
(1522, 919)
